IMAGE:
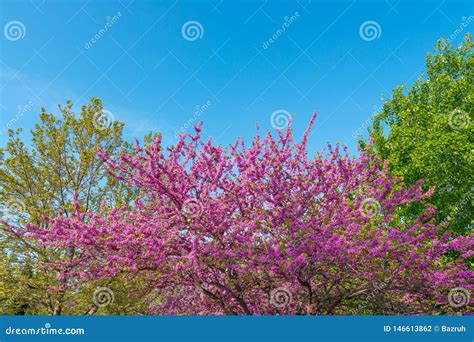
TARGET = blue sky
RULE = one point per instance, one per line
(154, 75)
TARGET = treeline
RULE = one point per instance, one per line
(94, 224)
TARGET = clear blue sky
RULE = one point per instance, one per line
(152, 78)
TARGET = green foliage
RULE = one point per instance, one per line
(40, 178)
(426, 132)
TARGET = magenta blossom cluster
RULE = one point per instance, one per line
(265, 229)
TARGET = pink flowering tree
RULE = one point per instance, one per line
(265, 229)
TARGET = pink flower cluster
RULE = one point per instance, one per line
(217, 231)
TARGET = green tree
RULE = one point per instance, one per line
(40, 178)
(426, 132)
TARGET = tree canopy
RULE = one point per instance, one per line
(264, 229)
(426, 132)
(257, 227)
(40, 178)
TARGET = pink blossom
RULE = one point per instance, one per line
(264, 215)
